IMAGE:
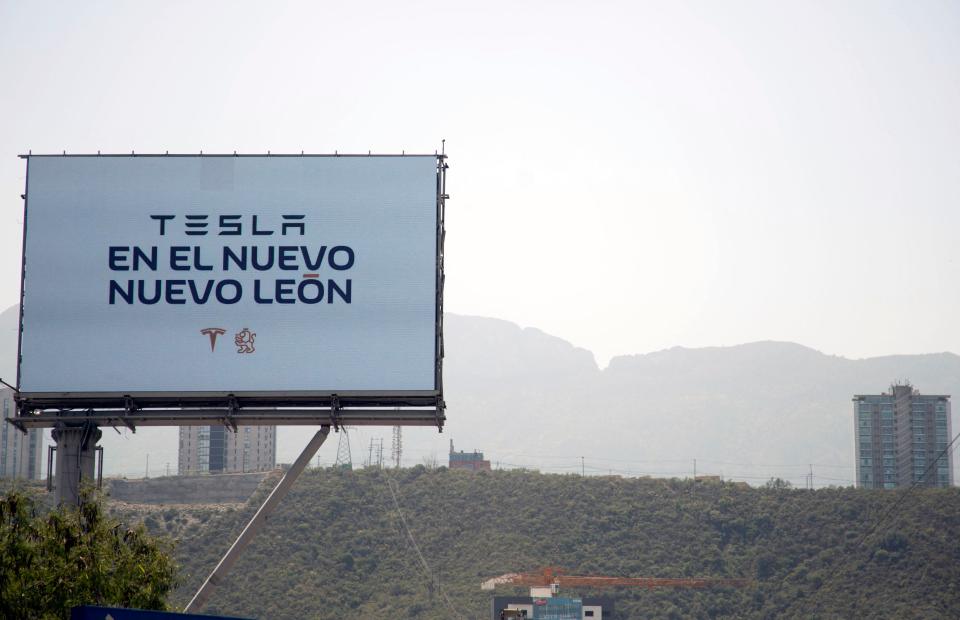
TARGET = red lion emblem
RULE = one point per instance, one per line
(244, 341)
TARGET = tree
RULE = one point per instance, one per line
(53, 560)
(778, 484)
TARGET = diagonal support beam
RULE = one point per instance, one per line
(256, 523)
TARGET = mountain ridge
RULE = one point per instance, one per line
(9, 319)
(526, 397)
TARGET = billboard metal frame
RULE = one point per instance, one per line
(352, 408)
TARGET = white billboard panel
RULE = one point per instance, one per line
(221, 274)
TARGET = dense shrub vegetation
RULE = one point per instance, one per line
(337, 548)
(54, 559)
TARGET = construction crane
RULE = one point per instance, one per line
(553, 578)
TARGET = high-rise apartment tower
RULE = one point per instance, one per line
(217, 450)
(899, 434)
(20, 455)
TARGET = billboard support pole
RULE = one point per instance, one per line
(76, 452)
(256, 523)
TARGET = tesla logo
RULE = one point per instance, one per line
(212, 333)
(244, 341)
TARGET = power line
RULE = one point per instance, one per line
(684, 460)
(562, 469)
(906, 494)
(499, 454)
(416, 547)
(891, 509)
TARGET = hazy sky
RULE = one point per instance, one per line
(628, 176)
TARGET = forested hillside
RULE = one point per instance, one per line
(337, 547)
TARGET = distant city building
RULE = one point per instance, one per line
(899, 434)
(217, 450)
(467, 460)
(20, 455)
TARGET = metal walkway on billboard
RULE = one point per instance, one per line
(234, 411)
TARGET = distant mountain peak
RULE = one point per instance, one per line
(762, 350)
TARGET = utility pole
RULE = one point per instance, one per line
(583, 469)
(694, 470)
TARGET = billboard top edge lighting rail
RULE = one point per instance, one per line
(230, 280)
(335, 154)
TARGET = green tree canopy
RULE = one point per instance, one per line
(53, 560)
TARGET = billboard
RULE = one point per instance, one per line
(180, 279)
